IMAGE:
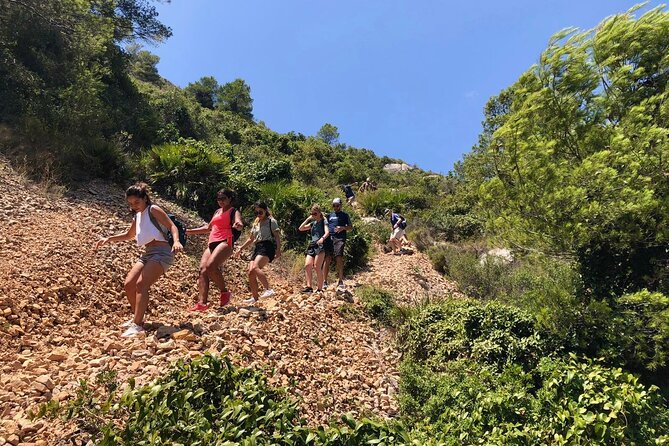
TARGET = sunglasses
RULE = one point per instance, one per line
(314, 213)
(222, 198)
(259, 212)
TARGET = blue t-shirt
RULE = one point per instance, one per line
(394, 218)
(335, 219)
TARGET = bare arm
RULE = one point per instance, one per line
(277, 240)
(305, 226)
(128, 235)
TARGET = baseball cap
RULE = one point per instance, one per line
(336, 201)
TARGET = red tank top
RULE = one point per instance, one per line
(221, 226)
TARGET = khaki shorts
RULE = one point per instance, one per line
(160, 254)
(398, 233)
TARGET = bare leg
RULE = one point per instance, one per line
(326, 267)
(203, 278)
(340, 268)
(253, 280)
(318, 264)
(220, 255)
(258, 264)
(130, 285)
(308, 267)
(150, 273)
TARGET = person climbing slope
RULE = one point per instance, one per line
(221, 229)
(265, 237)
(319, 231)
(147, 229)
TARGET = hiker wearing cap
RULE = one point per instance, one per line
(221, 229)
(146, 229)
(317, 226)
(398, 224)
(339, 223)
(265, 237)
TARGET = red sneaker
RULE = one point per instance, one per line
(225, 298)
(199, 307)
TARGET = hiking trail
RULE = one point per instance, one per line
(61, 304)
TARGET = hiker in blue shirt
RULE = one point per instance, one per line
(348, 192)
(398, 224)
(339, 223)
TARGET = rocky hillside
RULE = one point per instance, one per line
(62, 303)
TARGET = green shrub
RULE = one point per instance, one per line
(378, 303)
(189, 172)
(493, 334)
(638, 335)
(561, 402)
(356, 252)
(209, 401)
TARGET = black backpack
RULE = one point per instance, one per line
(235, 232)
(168, 234)
(403, 223)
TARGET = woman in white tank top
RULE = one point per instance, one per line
(157, 258)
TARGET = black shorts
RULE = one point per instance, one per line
(213, 245)
(334, 247)
(266, 248)
(314, 249)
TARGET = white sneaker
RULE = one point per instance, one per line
(341, 287)
(268, 293)
(132, 330)
(127, 323)
(249, 301)
(325, 285)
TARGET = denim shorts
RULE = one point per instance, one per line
(161, 254)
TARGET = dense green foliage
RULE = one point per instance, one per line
(482, 371)
(378, 303)
(210, 402)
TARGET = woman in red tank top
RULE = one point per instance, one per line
(219, 249)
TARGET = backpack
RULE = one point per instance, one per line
(168, 234)
(403, 224)
(236, 233)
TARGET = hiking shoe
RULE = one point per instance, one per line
(341, 287)
(325, 285)
(132, 330)
(268, 293)
(307, 289)
(250, 301)
(127, 323)
(225, 298)
(199, 307)
(319, 291)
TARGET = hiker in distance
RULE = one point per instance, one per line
(398, 224)
(225, 221)
(265, 237)
(148, 228)
(339, 224)
(319, 231)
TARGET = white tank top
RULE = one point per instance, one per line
(145, 230)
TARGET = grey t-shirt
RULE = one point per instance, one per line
(264, 230)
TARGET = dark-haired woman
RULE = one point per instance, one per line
(148, 227)
(319, 231)
(219, 249)
(266, 238)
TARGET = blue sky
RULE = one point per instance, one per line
(406, 79)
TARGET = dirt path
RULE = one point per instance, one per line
(61, 303)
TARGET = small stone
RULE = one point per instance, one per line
(46, 380)
(56, 356)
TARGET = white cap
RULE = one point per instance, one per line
(336, 201)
